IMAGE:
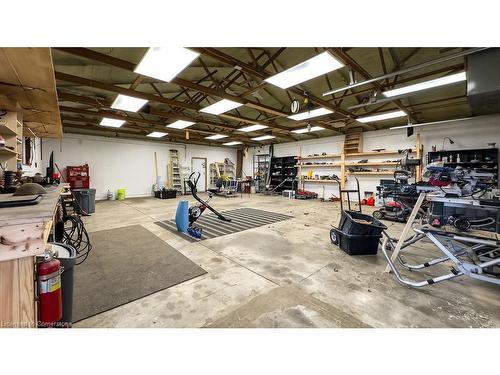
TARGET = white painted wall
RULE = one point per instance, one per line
(124, 163)
(474, 133)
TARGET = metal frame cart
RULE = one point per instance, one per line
(473, 253)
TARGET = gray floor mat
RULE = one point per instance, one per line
(241, 219)
(126, 264)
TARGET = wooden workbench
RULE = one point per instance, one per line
(23, 235)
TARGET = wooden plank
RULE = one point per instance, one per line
(320, 181)
(369, 153)
(319, 156)
(27, 311)
(22, 240)
(318, 165)
(8, 285)
(372, 173)
(372, 163)
(30, 73)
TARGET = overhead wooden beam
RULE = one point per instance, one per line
(105, 104)
(348, 60)
(161, 125)
(263, 74)
(89, 129)
(119, 63)
(121, 90)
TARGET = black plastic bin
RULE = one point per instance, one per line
(67, 256)
(349, 224)
(168, 193)
(355, 244)
(85, 200)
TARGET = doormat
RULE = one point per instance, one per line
(126, 264)
(241, 219)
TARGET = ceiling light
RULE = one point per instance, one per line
(306, 130)
(309, 69)
(233, 143)
(180, 124)
(310, 114)
(383, 116)
(165, 63)
(252, 128)
(448, 80)
(157, 134)
(263, 138)
(111, 122)
(221, 106)
(216, 136)
(128, 103)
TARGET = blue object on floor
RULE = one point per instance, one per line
(195, 232)
(182, 216)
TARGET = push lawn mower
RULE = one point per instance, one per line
(196, 211)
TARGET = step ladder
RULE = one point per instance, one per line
(353, 141)
(174, 174)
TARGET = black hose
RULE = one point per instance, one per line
(77, 237)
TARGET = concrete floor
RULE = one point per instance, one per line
(287, 274)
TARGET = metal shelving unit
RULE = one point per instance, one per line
(260, 171)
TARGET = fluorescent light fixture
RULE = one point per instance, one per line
(263, 138)
(111, 122)
(252, 128)
(128, 103)
(310, 114)
(448, 80)
(309, 69)
(157, 134)
(165, 63)
(233, 143)
(221, 106)
(216, 136)
(306, 130)
(382, 116)
(180, 124)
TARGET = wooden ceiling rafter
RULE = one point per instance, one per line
(262, 74)
(105, 106)
(348, 60)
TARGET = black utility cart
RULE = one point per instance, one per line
(357, 233)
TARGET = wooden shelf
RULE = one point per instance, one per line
(318, 165)
(320, 181)
(319, 156)
(7, 151)
(5, 130)
(371, 153)
(372, 164)
(372, 173)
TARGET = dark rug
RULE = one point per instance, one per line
(126, 264)
(241, 219)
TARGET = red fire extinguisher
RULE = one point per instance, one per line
(49, 291)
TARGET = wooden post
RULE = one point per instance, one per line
(419, 149)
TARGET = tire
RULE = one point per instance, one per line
(379, 215)
(334, 237)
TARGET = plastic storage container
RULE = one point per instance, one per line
(120, 194)
(85, 200)
(356, 223)
(168, 193)
(354, 244)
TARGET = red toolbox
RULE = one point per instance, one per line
(78, 176)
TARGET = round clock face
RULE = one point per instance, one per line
(295, 106)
